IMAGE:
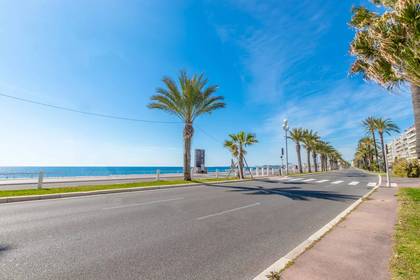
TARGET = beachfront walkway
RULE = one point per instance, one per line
(360, 247)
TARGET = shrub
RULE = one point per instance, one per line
(406, 168)
(274, 275)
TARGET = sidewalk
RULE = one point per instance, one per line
(359, 247)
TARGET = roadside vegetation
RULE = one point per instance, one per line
(236, 145)
(369, 154)
(187, 101)
(386, 48)
(144, 184)
(405, 264)
(329, 157)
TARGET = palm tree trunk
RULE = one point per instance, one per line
(415, 96)
(299, 157)
(376, 148)
(188, 133)
(381, 136)
(314, 156)
(241, 163)
(309, 159)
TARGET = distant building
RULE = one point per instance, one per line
(200, 161)
(403, 147)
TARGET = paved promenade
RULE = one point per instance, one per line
(360, 247)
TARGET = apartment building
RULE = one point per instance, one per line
(404, 146)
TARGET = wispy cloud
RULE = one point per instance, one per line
(281, 35)
(337, 114)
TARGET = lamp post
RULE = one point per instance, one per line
(286, 129)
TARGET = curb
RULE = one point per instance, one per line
(298, 250)
(11, 199)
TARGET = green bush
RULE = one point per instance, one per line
(406, 168)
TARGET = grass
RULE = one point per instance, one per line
(146, 184)
(406, 261)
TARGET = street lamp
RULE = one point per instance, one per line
(286, 129)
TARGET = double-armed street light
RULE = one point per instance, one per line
(286, 129)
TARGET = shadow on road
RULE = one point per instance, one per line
(295, 193)
(4, 248)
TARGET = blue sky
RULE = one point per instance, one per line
(271, 59)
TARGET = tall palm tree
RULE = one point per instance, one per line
(309, 140)
(191, 99)
(370, 126)
(364, 153)
(386, 47)
(385, 126)
(237, 144)
(298, 136)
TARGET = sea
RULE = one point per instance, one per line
(21, 172)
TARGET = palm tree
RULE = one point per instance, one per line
(309, 140)
(385, 126)
(237, 144)
(364, 153)
(190, 100)
(386, 47)
(370, 126)
(298, 136)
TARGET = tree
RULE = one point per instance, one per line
(191, 99)
(387, 48)
(310, 139)
(297, 135)
(370, 126)
(385, 126)
(364, 154)
(237, 144)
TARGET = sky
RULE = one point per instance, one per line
(271, 60)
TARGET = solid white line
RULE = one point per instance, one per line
(143, 203)
(337, 182)
(354, 183)
(228, 211)
(371, 184)
(321, 181)
(308, 180)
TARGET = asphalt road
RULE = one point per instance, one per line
(225, 231)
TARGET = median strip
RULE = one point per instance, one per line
(7, 196)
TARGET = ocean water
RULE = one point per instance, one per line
(79, 171)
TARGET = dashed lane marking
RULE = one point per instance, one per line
(295, 179)
(337, 182)
(371, 184)
(228, 211)
(308, 180)
(321, 181)
(142, 203)
(354, 183)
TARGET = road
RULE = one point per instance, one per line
(225, 231)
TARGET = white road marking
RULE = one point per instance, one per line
(321, 181)
(354, 183)
(394, 185)
(337, 182)
(295, 179)
(228, 211)
(371, 184)
(308, 180)
(143, 203)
